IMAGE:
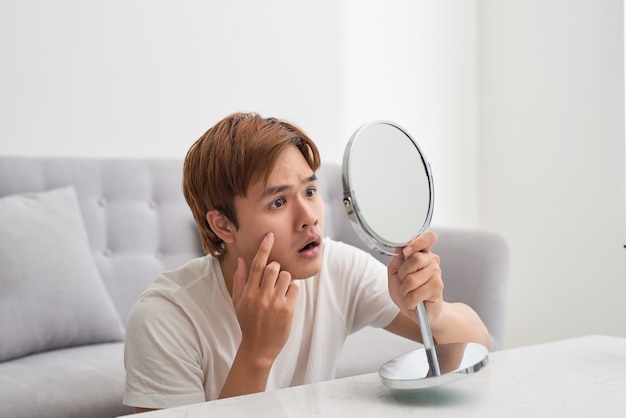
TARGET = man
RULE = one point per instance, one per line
(272, 302)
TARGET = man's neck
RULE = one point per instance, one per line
(228, 264)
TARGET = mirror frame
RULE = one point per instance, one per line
(363, 230)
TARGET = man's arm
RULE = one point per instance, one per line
(414, 276)
(247, 375)
(140, 410)
(462, 325)
(264, 302)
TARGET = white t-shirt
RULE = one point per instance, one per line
(182, 334)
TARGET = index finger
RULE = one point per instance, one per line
(259, 262)
(422, 243)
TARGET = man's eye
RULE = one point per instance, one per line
(310, 192)
(278, 203)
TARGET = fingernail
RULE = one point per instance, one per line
(269, 237)
(407, 251)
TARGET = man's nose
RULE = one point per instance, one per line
(306, 215)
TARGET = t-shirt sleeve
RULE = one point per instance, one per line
(162, 366)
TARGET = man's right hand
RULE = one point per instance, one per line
(264, 300)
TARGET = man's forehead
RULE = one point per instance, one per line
(290, 168)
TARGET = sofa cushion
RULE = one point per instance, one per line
(51, 294)
(86, 381)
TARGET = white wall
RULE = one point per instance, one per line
(518, 105)
(414, 62)
(552, 161)
(146, 78)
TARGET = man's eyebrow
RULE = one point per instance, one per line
(270, 191)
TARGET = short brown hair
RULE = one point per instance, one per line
(223, 163)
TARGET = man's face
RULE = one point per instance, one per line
(289, 206)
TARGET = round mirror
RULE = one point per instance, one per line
(389, 197)
(388, 187)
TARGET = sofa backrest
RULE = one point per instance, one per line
(139, 224)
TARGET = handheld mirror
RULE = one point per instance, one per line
(389, 197)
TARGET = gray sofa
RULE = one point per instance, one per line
(74, 259)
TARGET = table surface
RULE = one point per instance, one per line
(583, 376)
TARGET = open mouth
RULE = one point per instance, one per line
(309, 245)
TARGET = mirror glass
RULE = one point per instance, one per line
(387, 186)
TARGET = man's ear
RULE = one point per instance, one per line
(221, 225)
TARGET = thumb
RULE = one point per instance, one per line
(239, 279)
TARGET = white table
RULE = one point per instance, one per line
(581, 377)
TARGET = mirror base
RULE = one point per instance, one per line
(456, 361)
